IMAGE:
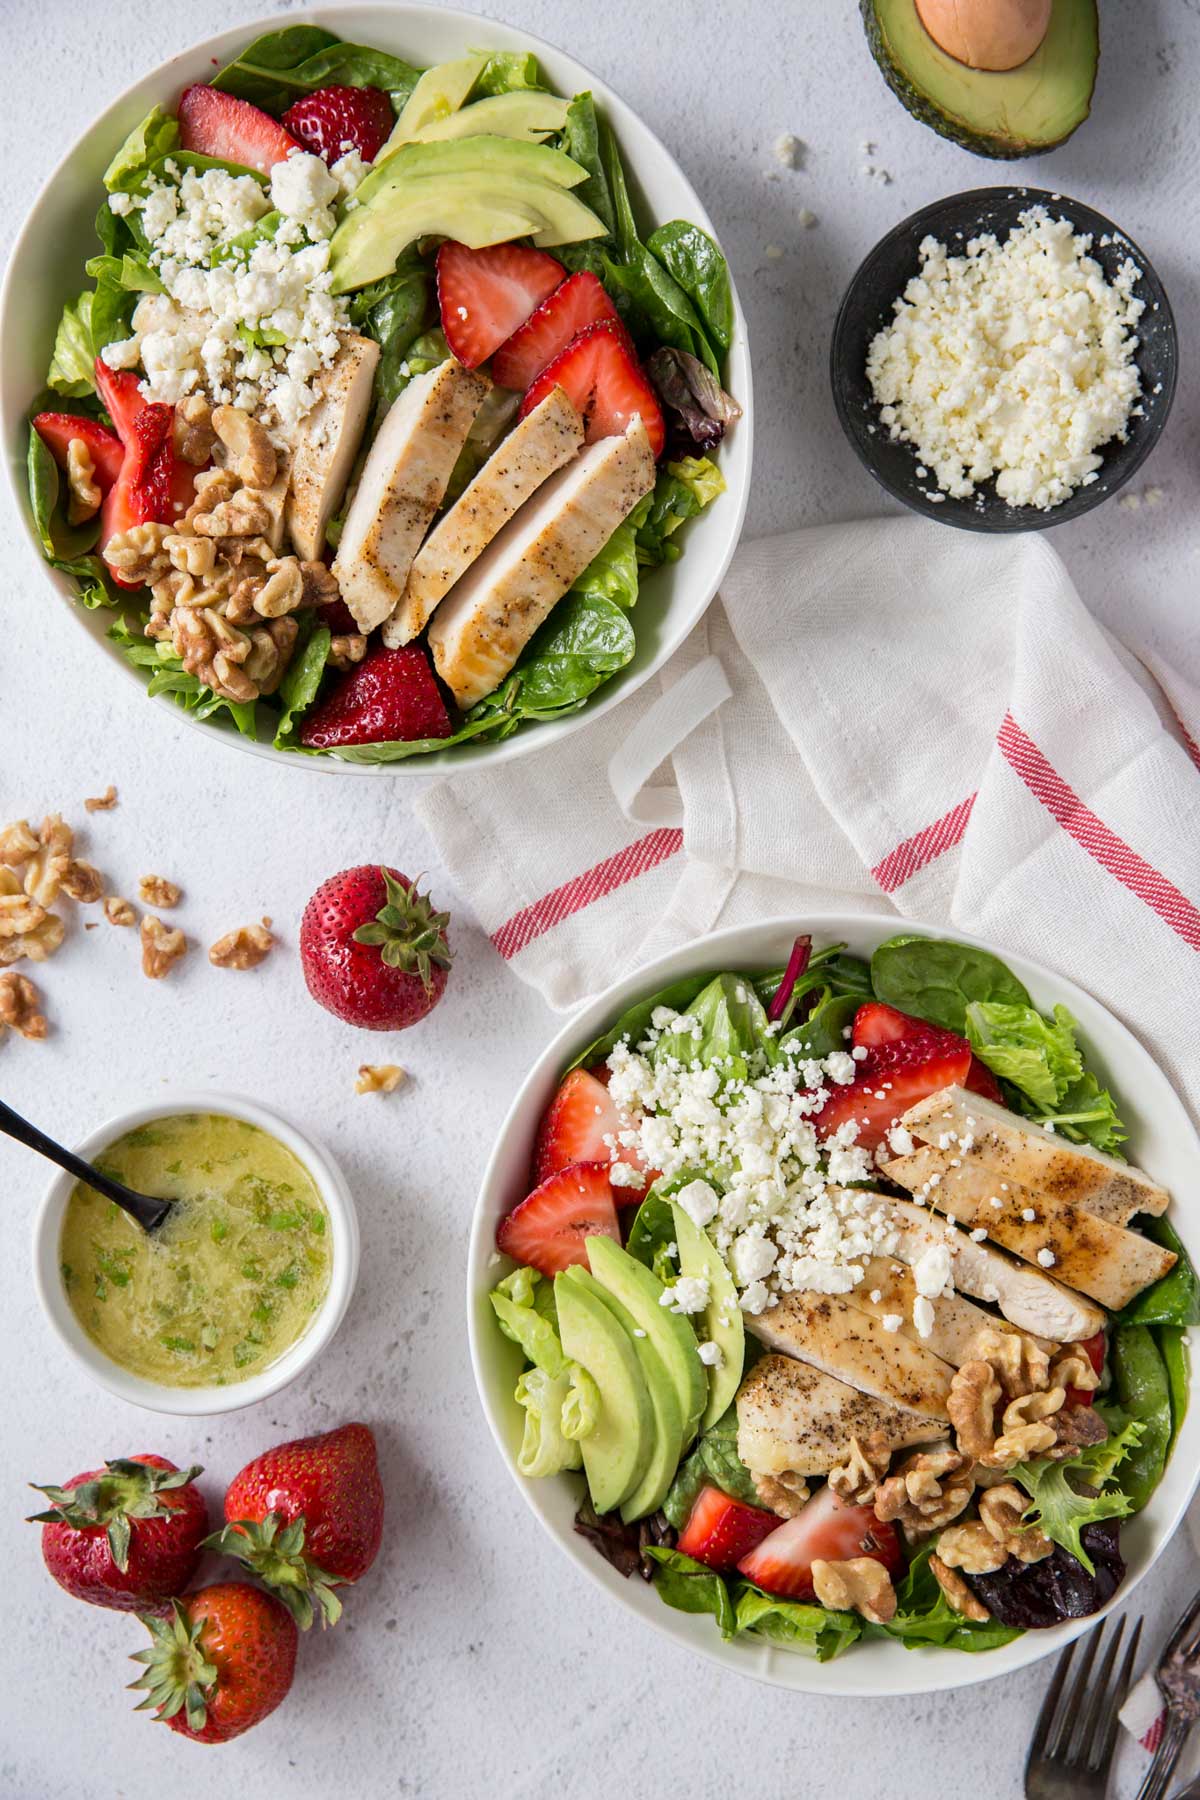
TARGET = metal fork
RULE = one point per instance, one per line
(1178, 1678)
(1073, 1744)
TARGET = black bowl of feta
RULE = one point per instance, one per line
(1004, 359)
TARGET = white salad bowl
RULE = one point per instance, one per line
(46, 268)
(1161, 1140)
(156, 1396)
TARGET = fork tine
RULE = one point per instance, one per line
(1095, 1706)
(1045, 1718)
(1065, 1739)
(1103, 1751)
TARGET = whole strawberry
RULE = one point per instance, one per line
(127, 1535)
(308, 1517)
(219, 1663)
(373, 950)
(334, 119)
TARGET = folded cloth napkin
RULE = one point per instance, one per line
(878, 717)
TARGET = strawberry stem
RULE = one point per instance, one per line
(274, 1550)
(127, 1490)
(410, 935)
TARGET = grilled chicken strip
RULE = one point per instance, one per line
(402, 485)
(535, 448)
(487, 618)
(839, 1338)
(956, 1321)
(794, 1419)
(1015, 1151)
(327, 442)
(1030, 1300)
(1101, 1260)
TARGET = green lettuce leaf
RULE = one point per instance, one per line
(714, 1462)
(581, 1407)
(167, 675)
(815, 1629)
(394, 311)
(155, 137)
(300, 685)
(506, 72)
(1056, 1503)
(1175, 1300)
(66, 547)
(71, 364)
(681, 491)
(545, 1450)
(581, 141)
(691, 1587)
(924, 1615)
(614, 573)
(1038, 1055)
(634, 1022)
(1087, 1114)
(725, 1026)
(524, 1306)
(1173, 1348)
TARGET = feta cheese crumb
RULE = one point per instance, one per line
(1047, 1258)
(712, 1356)
(892, 1321)
(687, 1295)
(623, 1174)
(922, 1313)
(699, 1201)
(901, 1140)
(978, 1235)
(1028, 1214)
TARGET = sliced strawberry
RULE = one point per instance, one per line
(58, 430)
(575, 304)
(148, 486)
(600, 373)
(721, 1531)
(580, 1125)
(906, 1060)
(485, 294)
(824, 1530)
(333, 120)
(338, 617)
(548, 1230)
(391, 697)
(1094, 1349)
(981, 1081)
(216, 124)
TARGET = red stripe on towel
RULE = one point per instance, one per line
(916, 853)
(533, 921)
(1093, 835)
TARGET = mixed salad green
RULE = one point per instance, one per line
(669, 288)
(694, 1519)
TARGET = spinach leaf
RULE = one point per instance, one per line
(1173, 1348)
(155, 137)
(634, 1022)
(298, 689)
(394, 312)
(829, 969)
(581, 141)
(168, 676)
(71, 365)
(585, 639)
(692, 1587)
(714, 1462)
(1144, 1392)
(814, 1628)
(281, 65)
(698, 265)
(653, 1230)
(1037, 1055)
(936, 979)
(614, 573)
(924, 1615)
(825, 1029)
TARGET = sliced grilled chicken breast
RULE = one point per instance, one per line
(484, 623)
(1104, 1261)
(326, 443)
(956, 1321)
(1028, 1298)
(1069, 1174)
(793, 1419)
(827, 1331)
(402, 485)
(276, 499)
(535, 448)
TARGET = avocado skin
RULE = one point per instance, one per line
(948, 125)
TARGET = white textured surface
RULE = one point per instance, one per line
(472, 1662)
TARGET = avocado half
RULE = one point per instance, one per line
(1008, 113)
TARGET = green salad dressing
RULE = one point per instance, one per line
(231, 1278)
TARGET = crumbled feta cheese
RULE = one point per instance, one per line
(687, 1295)
(859, 1053)
(922, 1313)
(901, 1140)
(623, 1174)
(712, 1356)
(789, 150)
(1028, 1214)
(840, 1066)
(699, 1201)
(892, 1321)
(876, 1296)
(933, 1271)
(756, 1297)
(978, 1235)
(1015, 360)
(1047, 1258)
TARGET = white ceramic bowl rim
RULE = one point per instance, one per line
(1165, 1143)
(156, 1397)
(679, 593)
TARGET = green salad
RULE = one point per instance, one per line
(834, 1293)
(381, 400)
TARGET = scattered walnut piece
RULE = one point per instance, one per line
(347, 649)
(243, 948)
(783, 1493)
(19, 914)
(19, 1006)
(85, 495)
(37, 944)
(857, 1478)
(971, 1404)
(930, 1488)
(18, 842)
(1018, 1362)
(44, 874)
(971, 1547)
(162, 947)
(118, 911)
(195, 438)
(156, 890)
(859, 1585)
(82, 882)
(1072, 1368)
(102, 802)
(138, 554)
(1027, 1430)
(379, 1078)
(1002, 1510)
(957, 1592)
(249, 451)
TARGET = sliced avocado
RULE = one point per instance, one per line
(480, 190)
(640, 1293)
(1004, 113)
(722, 1318)
(526, 113)
(667, 1443)
(616, 1454)
(440, 92)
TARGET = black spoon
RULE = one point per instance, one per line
(148, 1212)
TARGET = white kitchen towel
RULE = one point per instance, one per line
(885, 716)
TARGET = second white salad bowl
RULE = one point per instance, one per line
(45, 269)
(1161, 1140)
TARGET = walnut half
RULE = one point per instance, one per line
(156, 890)
(379, 1078)
(859, 1585)
(960, 1596)
(20, 1006)
(162, 947)
(243, 948)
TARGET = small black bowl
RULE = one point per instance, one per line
(867, 307)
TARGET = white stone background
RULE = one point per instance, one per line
(473, 1660)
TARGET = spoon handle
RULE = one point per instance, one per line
(14, 1126)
